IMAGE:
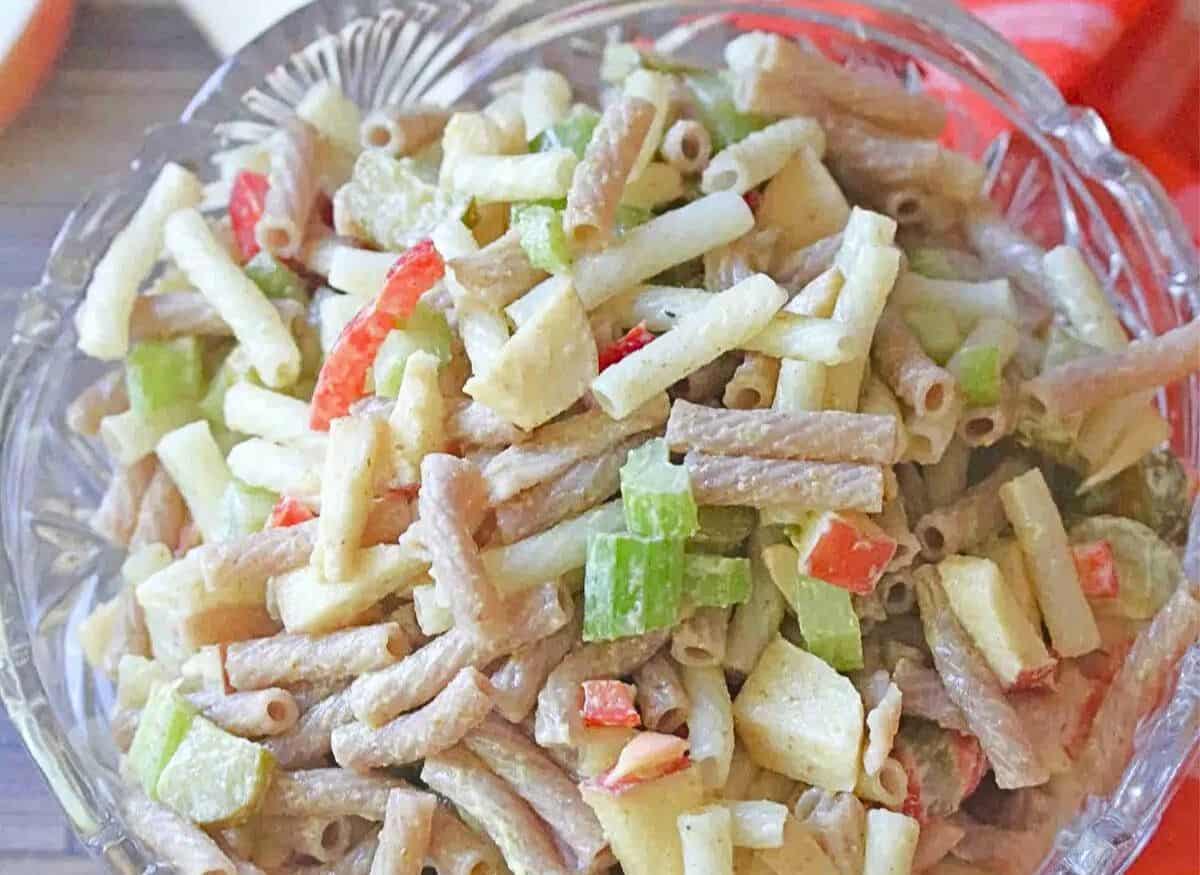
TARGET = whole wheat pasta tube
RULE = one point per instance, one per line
(758, 157)
(985, 426)
(117, 515)
(521, 835)
(767, 482)
(687, 146)
(519, 679)
(700, 639)
(710, 723)
(290, 659)
(973, 518)
(538, 780)
(820, 435)
(919, 211)
(325, 839)
(439, 725)
(497, 274)
(398, 131)
(328, 793)
(162, 514)
(798, 269)
(553, 448)
(600, 177)
(404, 841)
(661, 698)
(355, 453)
(176, 838)
(105, 397)
(558, 719)
(752, 385)
(916, 379)
(1084, 383)
(469, 422)
(456, 849)
(357, 861)
(255, 714)
(929, 436)
(379, 696)
(946, 479)
(293, 188)
(452, 492)
(838, 821)
(307, 744)
(250, 561)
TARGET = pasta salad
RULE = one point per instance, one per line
(709, 482)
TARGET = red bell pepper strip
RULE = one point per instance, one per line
(289, 512)
(609, 703)
(340, 382)
(1096, 568)
(246, 204)
(753, 199)
(846, 551)
(635, 339)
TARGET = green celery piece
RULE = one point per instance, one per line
(656, 495)
(715, 581)
(825, 614)
(542, 236)
(246, 509)
(574, 132)
(274, 278)
(632, 585)
(937, 331)
(161, 373)
(164, 722)
(932, 263)
(714, 100)
(977, 369)
(426, 329)
(212, 405)
(215, 778)
(722, 529)
(629, 218)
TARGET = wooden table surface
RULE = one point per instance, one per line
(129, 64)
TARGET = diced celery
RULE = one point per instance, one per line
(212, 405)
(977, 369)
(274, 278)
(164, 722)
(937, 331)
(426, 329)
(629, 218)
(245, 509)
(722, 528)
(932, 263)
(215, 778)
(715, 581)
(714, 100)
(574, 132)
(657, 495)
(632, 585)
(824, 612)
(161, 373)
(542, 236)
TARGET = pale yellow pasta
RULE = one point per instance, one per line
(103, 319)
(818, 297)
(659, 184)
(274, 416)
(753, 383)
(193, 459)
(706, 836)
(726, 321)
(399, 131)
(656, 89)
(968, 301)
(803, 201)
(333, 114)
(536, 176)
(1078, 294)
(418, 415)
(480, 324)
(293, 471)
(687, 146)
(800, 386)
(255, 323)
(887, 786)
(710, 723)
(467, 133)
(798, 855)
(869, 280)
(1141, 436)
(761, 155)
(754, 623)
(891, 843)
(507, 114)
(1039, 530)
(826, 341)
(357, 447)
(545, 99)
(757, 823)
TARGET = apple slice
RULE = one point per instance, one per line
(32, 33)
(993, 619)
(215, 778)
(165, 721)
(844, 549)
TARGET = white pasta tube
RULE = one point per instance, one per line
(433, 616)
(761, 155)
(757, 823)
(398, 131)
(277, 417)
(687, 146)
(291, 659)
(103, 320)
(706, 836)
(724, 323)
(333, 114)
(354, 453)
(418, 415)
(507, 178)
(506, 113)
(404, 841)
(869, 280)
(752, 385)
(710, 723)
(800, 387)
(1078, 294)
(665, 241)
(193, 459)
(969, 302)
(891, 843)
(293, 188)
(255, 323)
(545, 99)
(659, 184)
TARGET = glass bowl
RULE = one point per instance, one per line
(1052, 168)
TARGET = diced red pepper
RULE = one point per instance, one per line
(609, 703)
(289, 512)
(635, 339)
(647, 756)
(846, 552)
(753, 199)
(341, 380)
(1096, 568)
(246, 204)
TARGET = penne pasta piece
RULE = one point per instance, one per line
(657, 89)
(333, 114)
(757, 823)
(458, 850)
(924, 695)
(798, 269)
(545, 99)
(416, 421)
(507, 178)
(254, 714)
(706, 836)
(399, 132)
(324, 839)
(838, 822)
(798, 855)
(117, 516)
(770, 482)
(105, 397)
(687, 146)
(891, 843)
(497, 274)
(699, 640)
(883, 720)
(355, 452)
(710, 723)
(404, 841)
(755, 622)
(328, 793)
(804, 202)
(469, 422)
(1077, 293)
(661, 697)
(360, 273)
(103, 320)
(870, 275)
(309, 743)
(175, 837)
(292, 191)
(974, 517)
(292, 659)
(968, 301)
(519, 679)
(761, 155)
(260, 412)
(916, 379)
(195, 462)
(887, 786)
(658, 185)
(986, 426)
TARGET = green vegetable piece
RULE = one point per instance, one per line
(542, 236)
(1154, 491)
(722, 529)
(274, 278)
(933, 263)
(977, 369)
(215, 778)
(574, 132)
(212, 405)
(714, 100)
(246, 509)
(162, 373)
(715, 581)
(629, 218)
(656, 495)
(937, 331)
(825, 613)
(1148, 569)
(427, 330)
(164, 722)
(632, 585)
